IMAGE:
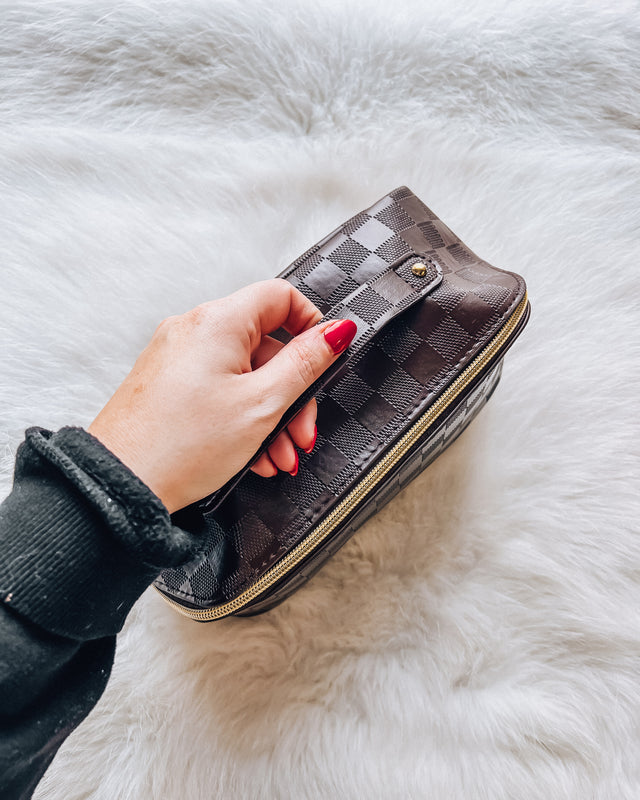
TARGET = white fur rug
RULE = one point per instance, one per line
(480, 638)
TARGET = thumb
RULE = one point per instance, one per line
(303, 360)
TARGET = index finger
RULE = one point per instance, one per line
(274, 304)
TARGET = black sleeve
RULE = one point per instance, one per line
(81, 537)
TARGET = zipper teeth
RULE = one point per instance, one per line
(310, 542)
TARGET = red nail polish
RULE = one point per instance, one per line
(313, 443)
(340, 336)
(294, 471)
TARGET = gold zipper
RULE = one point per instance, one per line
(359, 492)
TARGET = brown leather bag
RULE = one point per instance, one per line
(434, 322)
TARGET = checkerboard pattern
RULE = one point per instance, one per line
(393, 375)
(423, 454)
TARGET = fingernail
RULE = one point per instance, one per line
(294, 471)
(340, 335)
(313, 443)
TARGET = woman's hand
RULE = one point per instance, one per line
(212, 384)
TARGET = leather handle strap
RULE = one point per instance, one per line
(371, 306)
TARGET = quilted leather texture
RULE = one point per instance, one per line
(446, 432)
(385, 383)
(372, 306)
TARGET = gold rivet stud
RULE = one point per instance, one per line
(419, 269)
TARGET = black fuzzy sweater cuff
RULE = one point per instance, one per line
(82, 535)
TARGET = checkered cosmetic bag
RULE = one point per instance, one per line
(433, 324)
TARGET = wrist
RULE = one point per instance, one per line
(122, 445)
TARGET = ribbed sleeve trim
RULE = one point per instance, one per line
(81, 535)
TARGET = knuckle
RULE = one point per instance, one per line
(275, 287)
(198, 315)
(280, 284)
(202, 321)
(304, 361)
(166, 325)
(273, 284)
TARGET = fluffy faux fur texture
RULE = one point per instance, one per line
(480, 638)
